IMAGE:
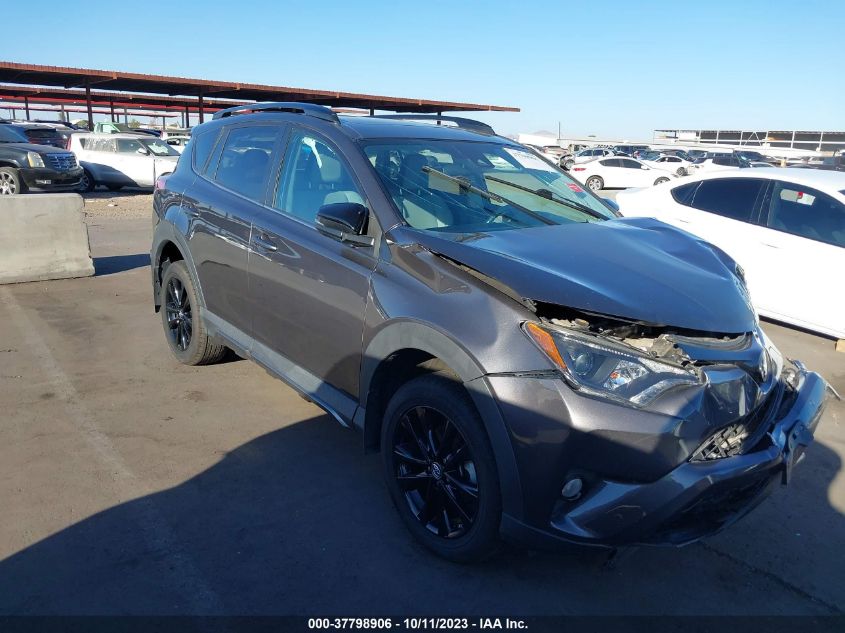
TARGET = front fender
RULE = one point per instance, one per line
(406, 334)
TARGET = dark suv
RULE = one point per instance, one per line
(25, 166)
(530, 364)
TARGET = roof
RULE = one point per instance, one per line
(375, 127)
(66, 77)
(818, 178)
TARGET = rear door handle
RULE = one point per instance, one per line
(265, 244)
(770, 245)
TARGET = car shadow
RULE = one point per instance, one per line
(298, 521)
(119, 263)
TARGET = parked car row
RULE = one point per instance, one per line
(53, 156)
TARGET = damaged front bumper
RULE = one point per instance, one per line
(693, 500)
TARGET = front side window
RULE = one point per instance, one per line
(807, 212)
(467, 186)
(729, 197)
(314, 175)
(128, 145)
(245, 160)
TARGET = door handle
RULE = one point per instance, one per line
(265, 244)
(769, 245)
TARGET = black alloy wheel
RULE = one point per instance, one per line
(434, 468)
(182, 318)
(179, 315)
(440, 468)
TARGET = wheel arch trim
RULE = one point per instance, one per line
(166, 232)
(406, 334)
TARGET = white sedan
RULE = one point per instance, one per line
(785, 227)
(675, 164)
(619, 173)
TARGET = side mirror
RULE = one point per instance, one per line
(143, 151)
(345, 222)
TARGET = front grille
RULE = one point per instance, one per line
(62, 162)
(740, 437)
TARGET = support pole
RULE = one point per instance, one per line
(88, 106)
(187, 118)
(202, 118)
(111, 105)
(26, 106)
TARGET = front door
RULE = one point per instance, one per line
(802, 247)
(309, 291)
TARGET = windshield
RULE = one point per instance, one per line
(11, 135)
(159, 148)
(463, 186)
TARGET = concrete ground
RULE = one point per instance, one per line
(130, 484)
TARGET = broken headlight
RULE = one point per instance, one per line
(603, 368)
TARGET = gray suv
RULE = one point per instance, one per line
(530, 365)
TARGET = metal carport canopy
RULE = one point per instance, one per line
(36, 75)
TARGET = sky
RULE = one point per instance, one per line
(603, 67)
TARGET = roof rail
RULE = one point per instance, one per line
(310, 109)
(465, 124)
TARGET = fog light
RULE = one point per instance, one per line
(572, 489)
(43, 182)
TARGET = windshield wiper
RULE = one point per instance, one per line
(464, 184)
(549, 195)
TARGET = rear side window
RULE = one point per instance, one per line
(609, 162)
(729, 197)
(630, 164)
(245, 160)
(203, 144)
(806, 212)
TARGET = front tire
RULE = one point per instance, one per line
(440, 469)
(595, 183)
(10, 181)
(183, 325)
(661, 180)
(86, 183)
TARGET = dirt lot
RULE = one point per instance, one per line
(134, 485)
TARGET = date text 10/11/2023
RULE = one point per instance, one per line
(413, 624)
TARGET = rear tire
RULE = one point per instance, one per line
(10, 181)
(661, 180)
(567, 164)
(180, 316)
(594, 183)
(440, 469)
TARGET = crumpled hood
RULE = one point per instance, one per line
(637, 269)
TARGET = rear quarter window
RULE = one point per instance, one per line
(202, 145)
(684, 194)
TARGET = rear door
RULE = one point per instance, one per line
(634, 174)
(802, 246)
(309, 291)
(223, 202)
